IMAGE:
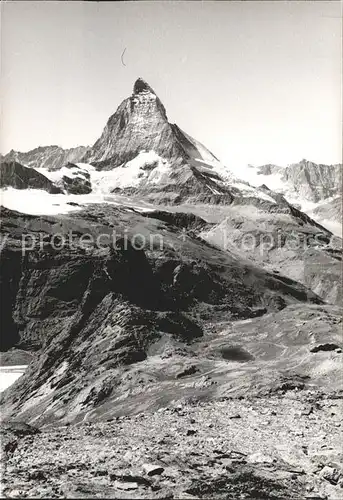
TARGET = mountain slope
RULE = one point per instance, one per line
(285, 241)
(330, 209)
(329, 213)
(142, 160)
(313, 188)
(96, 310)
(13, 174)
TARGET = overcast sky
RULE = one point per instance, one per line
(256, 82)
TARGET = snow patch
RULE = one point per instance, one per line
(250, 174)
(146, 166)
(248, 190)
(72, 172)
(86, 166)
(143, 97)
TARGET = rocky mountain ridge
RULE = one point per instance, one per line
(148, 156)
(47, 157)
(313, 188)
(140, 123)
(310, 181)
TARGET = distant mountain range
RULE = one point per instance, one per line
(141, 153)
(306, 179)
(313, 188)
(47, 157)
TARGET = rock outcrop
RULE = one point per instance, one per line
(13, 174)
(75, 180)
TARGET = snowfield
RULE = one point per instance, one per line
(39, 202)
(9, 374)
(249, 174)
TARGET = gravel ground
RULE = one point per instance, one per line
(277, 447)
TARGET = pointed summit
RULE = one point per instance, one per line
(142, 86)
(152, 156)
(139, 124)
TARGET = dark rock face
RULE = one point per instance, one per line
(49, 157)
(10, 275)
(13, 174)
(20, 429)
(141, 86)
(187, 221)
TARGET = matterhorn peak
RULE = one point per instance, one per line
(141, 86)
(140, 124)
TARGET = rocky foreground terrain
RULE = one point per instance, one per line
(284, 446)
(174, 372)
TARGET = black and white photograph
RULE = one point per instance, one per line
(171, 250)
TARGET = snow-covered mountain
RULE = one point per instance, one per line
(306, 180)
(142, 155)
(316, 189)
(145, 154)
